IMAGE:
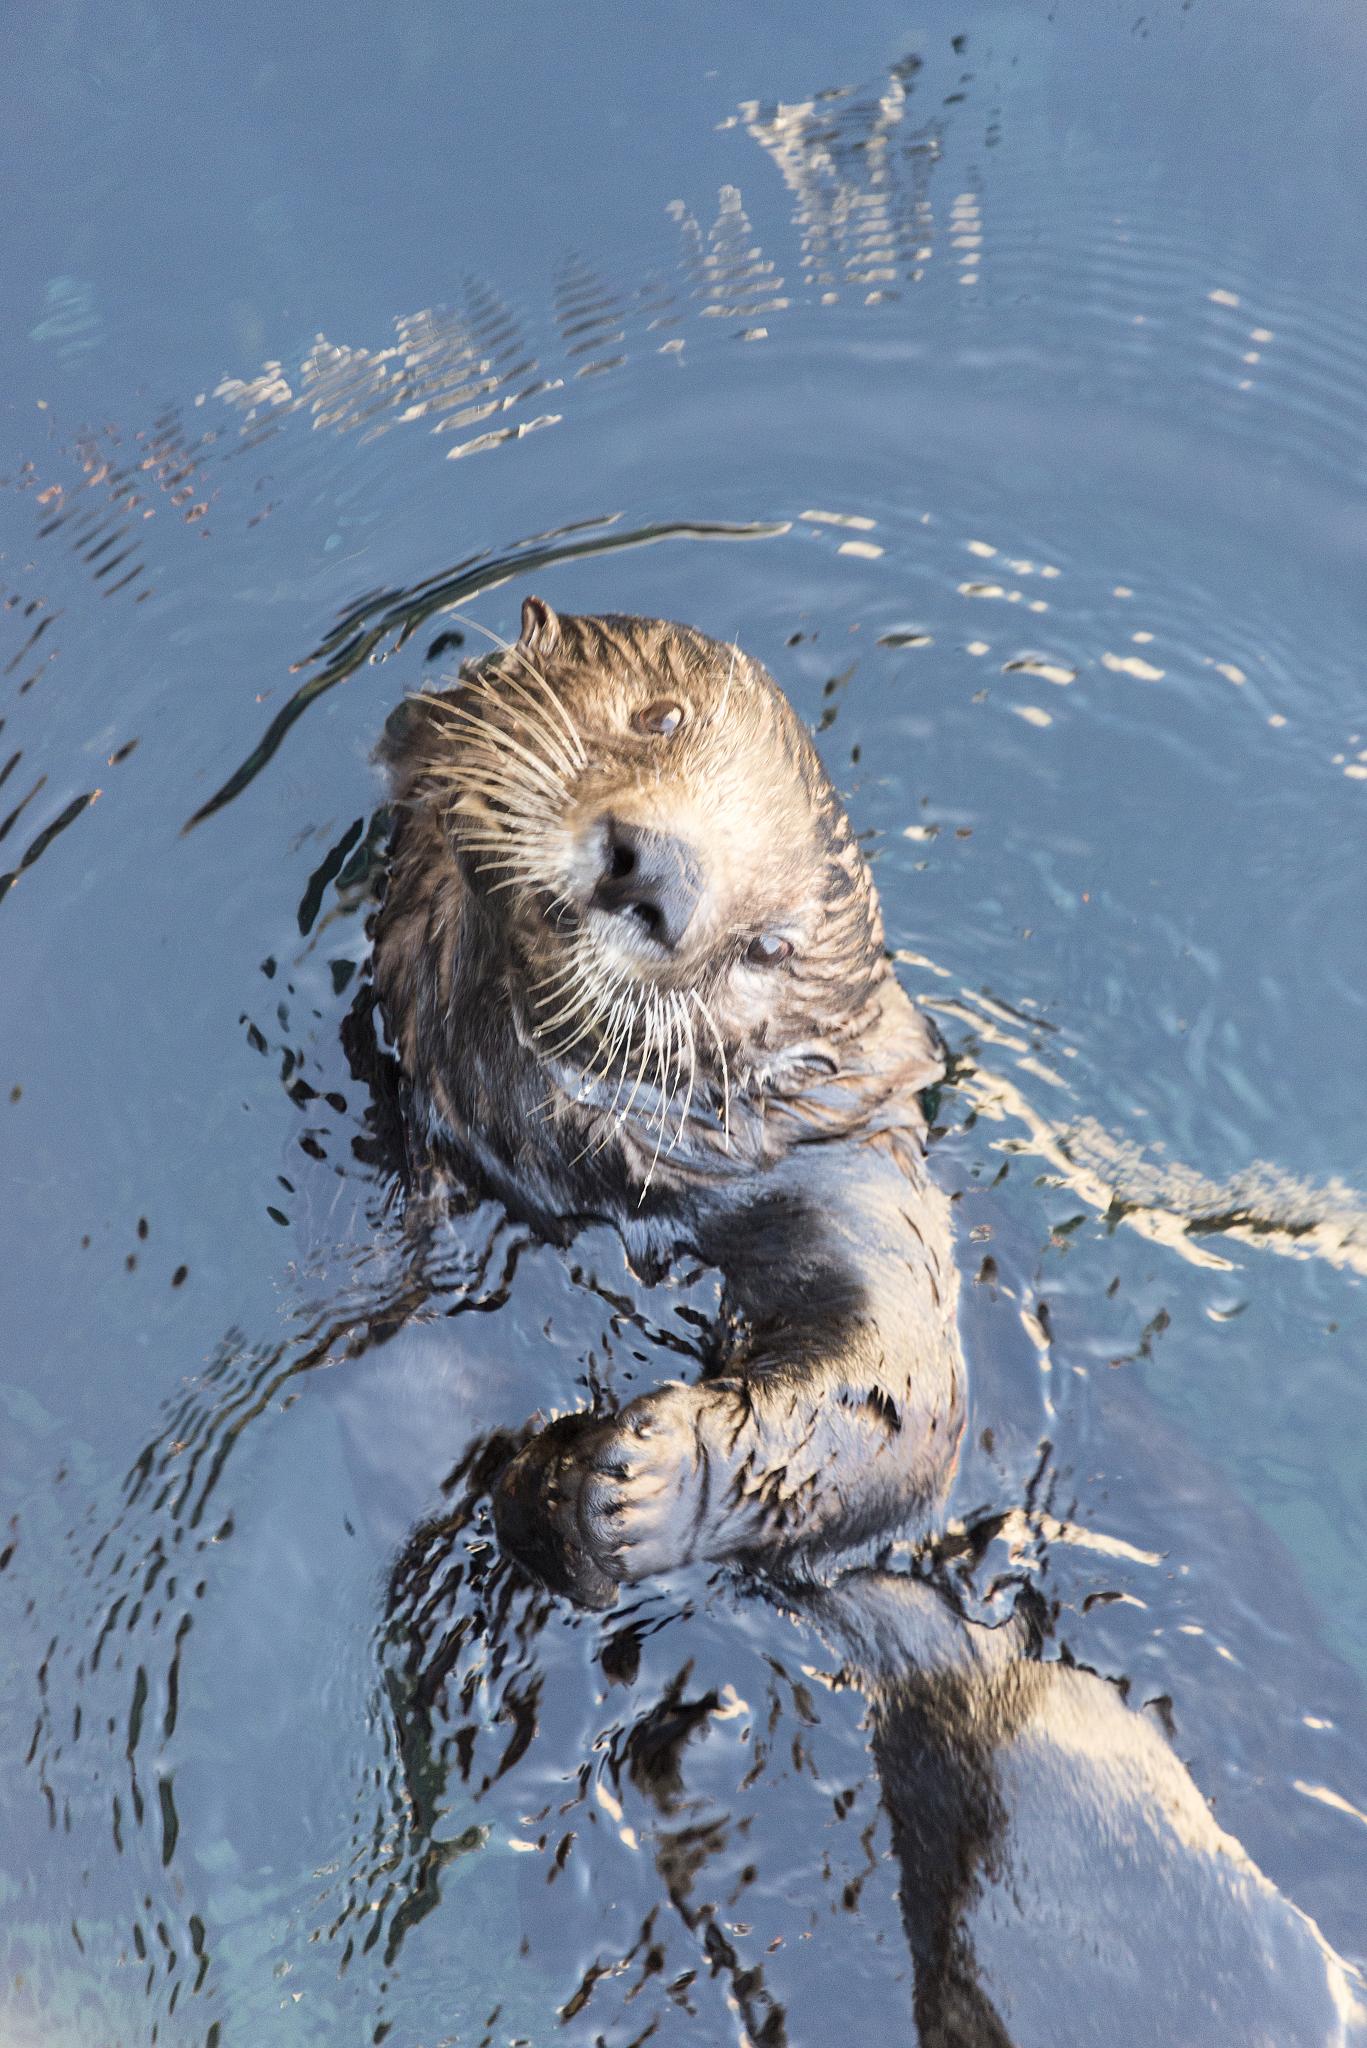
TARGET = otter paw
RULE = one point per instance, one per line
(592, 1503)
(641, 1485)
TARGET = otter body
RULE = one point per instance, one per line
(632, 960)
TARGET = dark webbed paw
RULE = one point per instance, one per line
(591, 1503)
(536, 1512)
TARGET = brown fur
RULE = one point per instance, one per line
(761, 1115)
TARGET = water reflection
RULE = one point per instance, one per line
(859, 171)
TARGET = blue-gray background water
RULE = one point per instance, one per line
(997, 376)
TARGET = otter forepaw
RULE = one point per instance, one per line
(641, 1492)
(536, 1512)
(591, 1503)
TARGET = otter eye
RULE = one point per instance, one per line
(768, 950)
(662, 716)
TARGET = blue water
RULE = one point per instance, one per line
(1009, 404)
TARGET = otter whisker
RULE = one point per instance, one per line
(512, 865)
(671, 1055)
(470, 815)
(539, 726)
(558, 902)
(654, 1027)
(499, 741)
(470, 810)
(663, 1024)
(641, 1017)
(531, 854)
(725, 1074)
(580, 988)
(534, 846)
(502, 853)
(473, 712)
(478, 832)
(524, 875)
(556, 1047)
(686, 1029)
(621, 1037)
(563, 983)
(563, 1003)
(627, 1009)
(480, 734)
(587, 1000)
(593, 1069)
(485, 767)
(614, 1032)
(525, 805)
(536, 714)
(630, 1002)
(519, 653)
(517, 880)
(612, 998)
(559, 973)
(476, 726)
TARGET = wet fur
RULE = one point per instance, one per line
(782, 1143)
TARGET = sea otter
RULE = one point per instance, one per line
(631, 958)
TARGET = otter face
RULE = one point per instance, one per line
(645, 817)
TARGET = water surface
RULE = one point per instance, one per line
(998, 380)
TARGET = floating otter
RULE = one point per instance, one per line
(632, 959)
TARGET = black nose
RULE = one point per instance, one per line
(649, 878)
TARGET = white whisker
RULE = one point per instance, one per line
(495, 738)
(557, 974)
(616, 1030)
(519, 653)
(686, 1029)
(662, 1022)
(641, 1017)
(707, 1018)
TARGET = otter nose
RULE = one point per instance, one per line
(649, 878)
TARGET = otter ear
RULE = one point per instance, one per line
(540, 628)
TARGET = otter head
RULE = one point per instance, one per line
(644, 819)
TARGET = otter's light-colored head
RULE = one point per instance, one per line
(646, 818)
